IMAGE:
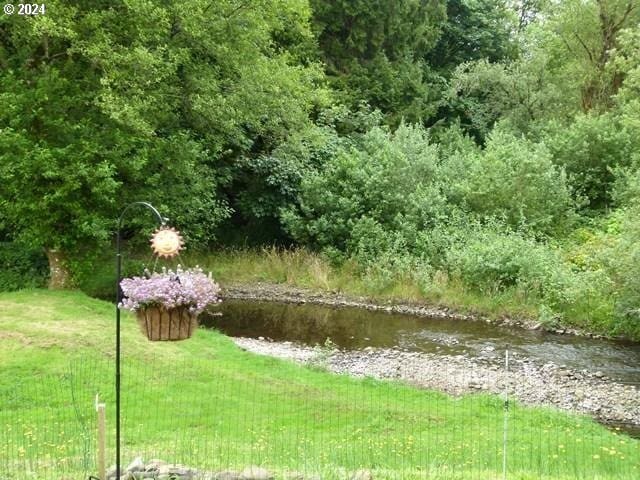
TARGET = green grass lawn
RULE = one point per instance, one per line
(208, 404)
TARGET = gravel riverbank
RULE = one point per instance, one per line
(547, 384)
(544, 385)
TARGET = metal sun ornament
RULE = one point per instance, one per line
(166, 242)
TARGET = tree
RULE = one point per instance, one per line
(583, 37)
(515, 179)
(106, 102)
(628, 97)
(527, 11)
(521, 92)
(374, 52)
(380, 184)
(474, 30)
(591, 149)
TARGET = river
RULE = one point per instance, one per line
(356, 329)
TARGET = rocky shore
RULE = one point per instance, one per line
(155, 469)
(548, 384)
(536, 385)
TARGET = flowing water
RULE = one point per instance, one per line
(357, 328)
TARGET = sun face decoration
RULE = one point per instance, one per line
(166, 242)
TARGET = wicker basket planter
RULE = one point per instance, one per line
(161, 324)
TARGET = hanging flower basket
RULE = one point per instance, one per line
(167, 304)
(159, 323)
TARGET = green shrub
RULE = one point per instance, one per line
(622, 258)
(515, 179)
(383, 184)
(22, 267)
(94, 271)
(626, 188)
(493, 261)
(591, 149)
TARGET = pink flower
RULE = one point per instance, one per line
(190, 288)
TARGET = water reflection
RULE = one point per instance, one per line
(355, 328)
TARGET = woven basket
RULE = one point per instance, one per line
(160, 324)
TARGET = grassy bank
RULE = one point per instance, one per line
(206, 403)
(301, 268)
(305, 269)
(589, 307)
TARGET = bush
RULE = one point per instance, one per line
(516, 180)
(491, 261)
(626, 189)
(94, 271)
(385, 183)
(591, 149)
(622, 258)
(22, 267)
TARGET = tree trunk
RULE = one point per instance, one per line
(59, 275)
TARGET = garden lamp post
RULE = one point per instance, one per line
(162, 221)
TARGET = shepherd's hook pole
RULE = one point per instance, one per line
(162, 220)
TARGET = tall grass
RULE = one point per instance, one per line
(303, 268)
(300, 268)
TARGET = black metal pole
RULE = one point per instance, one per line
(162, 221)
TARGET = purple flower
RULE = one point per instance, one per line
(190, 288)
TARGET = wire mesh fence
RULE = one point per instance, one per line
(213, 420)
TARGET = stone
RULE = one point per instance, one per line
(136, 466)
(164, 469)
(154, 464)
(300, 476)
(294, 476)
(174, 471)
(255, 473)
(362, 475)
(143, 475)
(226, 475)
(111, 474)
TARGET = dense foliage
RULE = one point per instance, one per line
(21, 267)
(103, 102)
(491, 144)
